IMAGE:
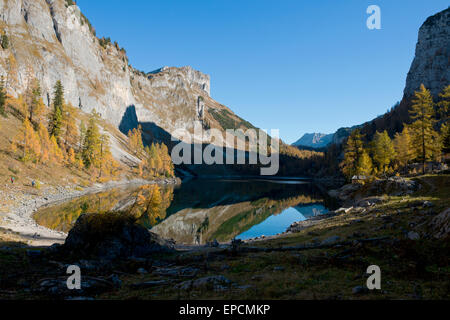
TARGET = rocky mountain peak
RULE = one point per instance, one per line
(52, 40)
(431, 65)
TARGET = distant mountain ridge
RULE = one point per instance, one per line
(314, 140)
(321, 140)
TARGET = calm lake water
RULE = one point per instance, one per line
(201, 210)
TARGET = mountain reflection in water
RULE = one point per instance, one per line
(201, 210)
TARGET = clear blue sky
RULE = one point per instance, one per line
(300, 66)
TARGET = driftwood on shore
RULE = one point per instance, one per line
(245, 249)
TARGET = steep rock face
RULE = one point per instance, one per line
(52, 40)
(431, 65)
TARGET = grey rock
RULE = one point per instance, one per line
(440, 225)
(213, 244)
(149, 284)
(142, 271)
(301, 225)
(412, 235)
(359, 290)
(23, 283)
(115, 280)
(178, 272)
(88, 265)
(58, 286)
(217, 283)
(370, 201)
(34, 253)
(278, 268)
(124, 239)
(54, 248)
(331, 240)
(427, 204)
(244, 287)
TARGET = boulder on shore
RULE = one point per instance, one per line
(441, 225)
(371, 193)
(111, 236)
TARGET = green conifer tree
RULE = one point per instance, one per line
(444, 104)
(5, 41)
(2, 97)
(56, 117)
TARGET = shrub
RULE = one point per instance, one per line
(5, 41)
(70, 3)
(104, 42)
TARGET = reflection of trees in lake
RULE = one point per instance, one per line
(151, 204)
(63, 217)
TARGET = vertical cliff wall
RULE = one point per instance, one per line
(431, 65)
(52, 40)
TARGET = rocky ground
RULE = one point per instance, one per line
(405, 234)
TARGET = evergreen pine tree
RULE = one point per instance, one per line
(2, 97)
(444, 104)
(56, 118)
(445, 133)
(5, 41)
(424, 137)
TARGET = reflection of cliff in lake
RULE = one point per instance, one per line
(195, 212)
(224, 209)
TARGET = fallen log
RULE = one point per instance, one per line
(244, 249)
